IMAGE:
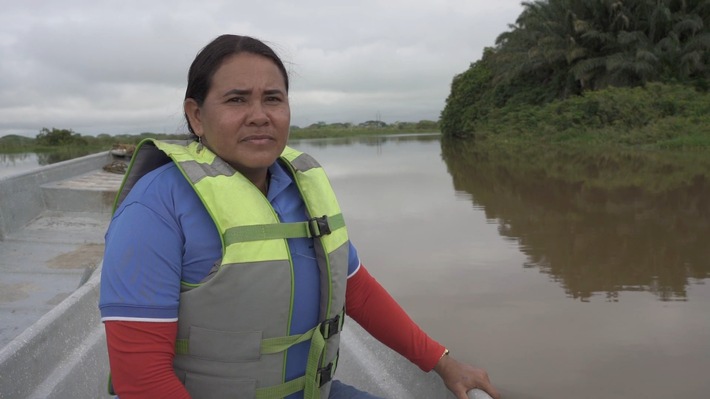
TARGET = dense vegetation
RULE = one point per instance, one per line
(633, 72)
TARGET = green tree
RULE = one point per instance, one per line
(605, 43)
(59, 137)
(466, 103)
(427, 125)
(561, 48)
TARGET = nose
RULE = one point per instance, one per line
(257, 115)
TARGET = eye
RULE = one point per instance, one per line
(273, 99)
(238, 99)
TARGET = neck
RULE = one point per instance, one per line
(264, 185)
(258, 176)
(259, 179)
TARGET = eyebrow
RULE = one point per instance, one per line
(244, 92)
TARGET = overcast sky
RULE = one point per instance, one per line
(120, 66)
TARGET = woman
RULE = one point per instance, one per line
(228, 265)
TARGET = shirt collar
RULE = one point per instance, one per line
(280, 180)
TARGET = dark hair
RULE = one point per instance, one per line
(210, 58)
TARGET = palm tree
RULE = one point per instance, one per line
(540, 46)
(592, 44)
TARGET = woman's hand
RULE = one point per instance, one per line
(461, 378)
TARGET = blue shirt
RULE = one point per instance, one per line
(162, 235)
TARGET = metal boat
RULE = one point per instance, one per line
(52, 343)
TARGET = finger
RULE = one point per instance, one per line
(461, 395)
(477, 393)
(492, 391)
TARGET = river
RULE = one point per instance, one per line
(559, 291)
(15, 163)
(564, 275)
(11, 164)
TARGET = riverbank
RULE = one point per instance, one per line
(658, 117)
(603, 165)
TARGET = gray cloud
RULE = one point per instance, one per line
(120, 67)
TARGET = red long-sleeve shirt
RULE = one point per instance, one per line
(141, 353)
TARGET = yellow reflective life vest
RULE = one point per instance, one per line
(233, 328)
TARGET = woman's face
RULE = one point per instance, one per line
(245, 117)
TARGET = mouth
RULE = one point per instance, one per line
(258, 139)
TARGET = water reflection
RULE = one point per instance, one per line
(11, 164)
(12, 159)
(14, 163)
(597, 223)
(64, 154)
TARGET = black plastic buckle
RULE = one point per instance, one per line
(324, 375)
(318, 227)
(330, 327)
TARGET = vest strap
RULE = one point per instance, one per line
(111, 391)
(280, 344)
(268, 345)
(182, 347)
(313, 375)
(315, 227)
(282, 390)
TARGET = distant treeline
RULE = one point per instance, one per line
(372, 127)
(54, 138)
(590, 70)
(49, 139)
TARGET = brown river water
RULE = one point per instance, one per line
(564, 276)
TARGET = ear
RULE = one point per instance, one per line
(192, 111)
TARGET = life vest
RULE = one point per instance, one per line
(233, 328)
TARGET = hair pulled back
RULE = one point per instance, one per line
(211, 57)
